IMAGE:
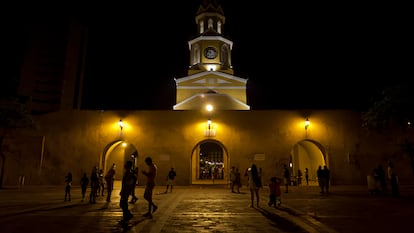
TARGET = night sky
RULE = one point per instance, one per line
(294, 56)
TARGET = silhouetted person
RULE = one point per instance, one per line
(275, 193)
(84, 185)
(232, 178)
(319, 174)
(392, 176)
(149, 187)
(134, 198)
(254, 183)
(94, 180)
(170, 180)
(68, 182)
(381, 178)
(126, 191)
(326, 175)
(307, 176)
(109, 178)
(101, 186)
(286, 177)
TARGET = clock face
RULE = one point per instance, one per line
(210, 53)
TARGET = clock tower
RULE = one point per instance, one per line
(210, 77)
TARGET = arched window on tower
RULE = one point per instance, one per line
(210, 23)
(219, 27)
(196, 54)
(201, 26)
(225, 56)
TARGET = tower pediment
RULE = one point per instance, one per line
(224, 91)
(211, 79)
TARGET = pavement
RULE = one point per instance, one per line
(214, 208)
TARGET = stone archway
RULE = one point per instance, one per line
(207, 156)
(118, 152)
(307, 154)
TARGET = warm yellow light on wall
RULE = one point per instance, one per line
(211, 67)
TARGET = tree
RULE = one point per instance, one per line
(13, 115)
(394, 107)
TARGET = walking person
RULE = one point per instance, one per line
(392, 176)
(126, 190)
(307, 176)
(109, 178)
(101, 186)
(134, 197)
(254, 184)
(326, 178)
(321, 182)
(84, 185)
(237, 182)
(232, 178)
(149, 187)
(299, 177)
(286, 177)
(275, 194)
(170, 180)
(381, 177)
(94, 179)
(68, 181)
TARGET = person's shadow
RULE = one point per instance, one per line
(280, 222)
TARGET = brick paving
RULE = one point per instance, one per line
(206, 208)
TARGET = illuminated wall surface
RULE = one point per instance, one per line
(78, 140)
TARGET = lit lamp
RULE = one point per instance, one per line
(209, 131)
(307, 123)
(121, 124)
(209, 107)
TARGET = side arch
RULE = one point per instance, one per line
(307, 154)
(118, 152)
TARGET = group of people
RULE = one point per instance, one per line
(275, 183)
(255, 184)
(98, 182)
(323, 176)
(128, 184)
(380, 177)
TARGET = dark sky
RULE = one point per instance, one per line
(293, 55)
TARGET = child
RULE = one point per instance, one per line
(274, 187)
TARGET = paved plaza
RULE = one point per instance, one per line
(208, 208)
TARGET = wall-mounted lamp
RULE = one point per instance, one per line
(121, 124)
(209, 131)
(307, 123)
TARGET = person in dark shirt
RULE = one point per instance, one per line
(68, 181)
(84, 185)
(170, 180)
(126, 190)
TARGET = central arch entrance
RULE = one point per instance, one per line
(209, 163)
